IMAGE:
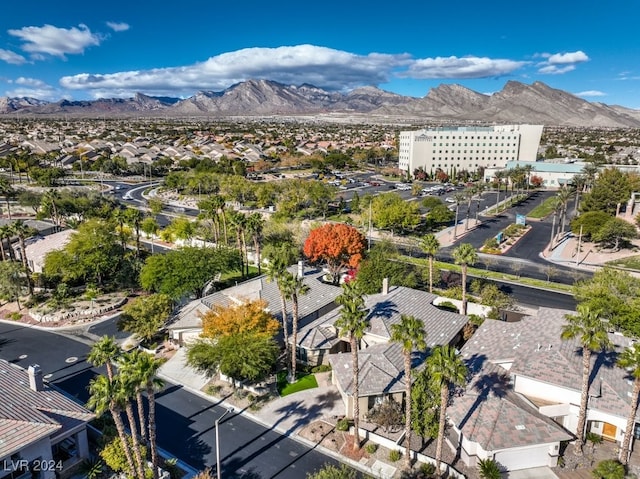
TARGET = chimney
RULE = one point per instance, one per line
(35, 378)
(300, 269)
(385, 286)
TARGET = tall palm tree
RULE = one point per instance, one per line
(579, 183)
(124, 391)
(468, 194)
(134, 218)
(630, 360)
(499, 176)
(528, 169)
(410, 333)
(563, 195)
(105, 353)
(277, 271)
(465, 255)
(219, 203)
(430, 245)
(103, 396)
(7, 190)
(590, 171)
(294, 288)
(22, 231)
(446, 369)
(459, 198)
(255, 226)
(6, 232)
(352, 323)
(587, 327)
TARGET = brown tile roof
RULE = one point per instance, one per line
(535, 350)
(492, 415)
(27, 416)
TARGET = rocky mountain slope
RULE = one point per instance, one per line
(515, 103)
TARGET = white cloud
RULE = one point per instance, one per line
(11, 57)
(555, 70)
(56, 41)
(30, 82)
(559, 63)
(320, 66)
(465, 67)
(564, 58)
(118, 26)
(590, 93)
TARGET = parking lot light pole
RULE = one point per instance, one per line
(218, 441)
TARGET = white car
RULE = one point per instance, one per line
(450, 200)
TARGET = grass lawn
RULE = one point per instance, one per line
(543, 209)
(304, 381)
(632, 262)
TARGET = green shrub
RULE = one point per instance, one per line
(371, 447)
(343, 424)
(609, 469)
(214, 389)
(448, 306)
(428, 469)
(394, 455)
(322, 368)
(489, 469)
(15, 316)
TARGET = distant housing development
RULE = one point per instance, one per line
(467, 148)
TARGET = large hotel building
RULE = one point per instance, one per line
(467, 147)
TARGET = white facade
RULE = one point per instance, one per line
(467, 148)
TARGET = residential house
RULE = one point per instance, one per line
(381, 362)
(317, 302)
(38, 423)
(37, 248)
(537, 404)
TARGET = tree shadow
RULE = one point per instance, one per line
(488, 380)
(383, 309)
(5, 342)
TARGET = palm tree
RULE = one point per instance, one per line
(218, 202)
(412, 337)
(465, 255)
(587, 327)
(294, 287)
(255, 225)
(124, 391)
(7, 190)
(21, 230)
(105, 352)
(103, 396)
(564, 194)
(239, 220)
(134, 218)
(527, 171)
(459, 198)
(630, 360)
(468, 194)
(352, 323)
(447, 369)
(499, 176)
(579, 182)
(277, 271)
(430, 245)
(6, 232)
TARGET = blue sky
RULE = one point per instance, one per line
(83, 50)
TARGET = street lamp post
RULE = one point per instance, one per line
(218, 441)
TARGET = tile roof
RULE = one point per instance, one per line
(320, 295)
(384, 310)
(494, 416)
(27, 416)
(381, 369)
(535, 350)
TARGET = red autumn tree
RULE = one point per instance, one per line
(336, 244)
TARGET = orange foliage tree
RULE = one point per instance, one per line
(247, 317)
(337, 244)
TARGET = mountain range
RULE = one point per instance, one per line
(515, 103)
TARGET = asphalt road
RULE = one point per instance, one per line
(185, 421)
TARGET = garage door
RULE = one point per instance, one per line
(514, 459)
